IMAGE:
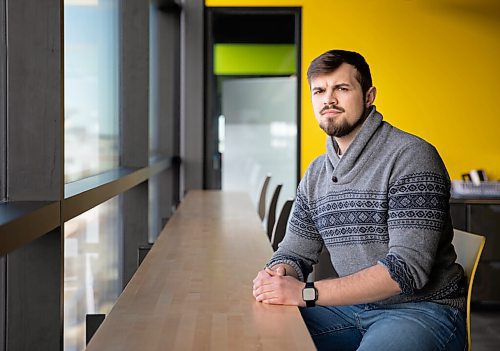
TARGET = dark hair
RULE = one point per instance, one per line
(331, 60)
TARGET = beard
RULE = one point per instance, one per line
(340, 128)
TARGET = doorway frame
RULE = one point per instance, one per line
(212, 177)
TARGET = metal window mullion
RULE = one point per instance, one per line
(3, 103)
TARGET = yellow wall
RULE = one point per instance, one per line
(436, 64)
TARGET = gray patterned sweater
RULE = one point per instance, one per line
(386, 201)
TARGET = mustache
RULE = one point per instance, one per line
(332, 107)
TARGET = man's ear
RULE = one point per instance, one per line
(370, 96)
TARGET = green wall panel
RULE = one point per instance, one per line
(254, 59)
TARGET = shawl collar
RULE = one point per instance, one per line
(343, 165)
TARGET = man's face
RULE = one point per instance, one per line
(338, 101)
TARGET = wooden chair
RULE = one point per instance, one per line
(280, 226)
(271, 213)
(468, 247)
(261, 205)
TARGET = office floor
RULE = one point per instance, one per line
(485, 328)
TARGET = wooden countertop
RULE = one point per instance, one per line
(193, 291)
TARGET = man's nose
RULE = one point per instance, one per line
(330, 98)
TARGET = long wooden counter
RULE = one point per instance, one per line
(193, 291)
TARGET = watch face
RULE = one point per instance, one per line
(309, 294)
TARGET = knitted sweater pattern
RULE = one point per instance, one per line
(386, 201)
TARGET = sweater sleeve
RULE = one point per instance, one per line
(302, 243)
(418, 212)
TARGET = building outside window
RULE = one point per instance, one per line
(92, 268)
(90, 87)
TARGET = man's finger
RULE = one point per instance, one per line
(265, 296)
(260, 274)
(281, 271)
(261, 283)
(270, 271)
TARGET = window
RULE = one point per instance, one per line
(92, 268)
(90, 87)
(95, 210)
(93, 240)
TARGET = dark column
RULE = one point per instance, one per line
(168, 107)
(192, 87)
(34, 170)
(134, 112)
(34, 316)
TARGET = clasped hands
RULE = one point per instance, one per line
(273, 286)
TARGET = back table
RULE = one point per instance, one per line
(193, 291)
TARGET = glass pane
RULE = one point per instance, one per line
(154, 208)
(92, 268)
(258, 134)
(90, 87)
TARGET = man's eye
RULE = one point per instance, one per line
(316, 92)
(342, 88)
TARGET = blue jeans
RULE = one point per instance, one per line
(416, 326)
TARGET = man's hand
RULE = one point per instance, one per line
(273, 286)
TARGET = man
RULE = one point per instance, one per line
(378, 201)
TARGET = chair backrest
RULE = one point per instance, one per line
(280, 226)
(468, 247)
(324, 268)
(261, 205)
(271, 213)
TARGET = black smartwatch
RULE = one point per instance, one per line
(310, 294)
